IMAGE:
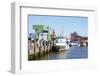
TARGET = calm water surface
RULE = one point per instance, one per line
(72, 53)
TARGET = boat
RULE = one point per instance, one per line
(60, 44)
(74, 44)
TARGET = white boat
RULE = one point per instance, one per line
(61, 44)
(74, 44)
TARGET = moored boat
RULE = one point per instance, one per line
(60, 44)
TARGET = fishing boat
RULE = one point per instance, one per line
(60, 44)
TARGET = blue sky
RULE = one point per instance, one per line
(65, 24)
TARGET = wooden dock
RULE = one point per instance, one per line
(38, 48)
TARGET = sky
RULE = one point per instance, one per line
(61, 24)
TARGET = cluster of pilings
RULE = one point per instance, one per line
(37, 48)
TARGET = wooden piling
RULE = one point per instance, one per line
(36, 49)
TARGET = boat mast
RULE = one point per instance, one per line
(62, 32)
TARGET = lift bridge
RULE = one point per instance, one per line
(42, 32)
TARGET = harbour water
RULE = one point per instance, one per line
(72, 53)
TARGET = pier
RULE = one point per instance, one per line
(37, 49)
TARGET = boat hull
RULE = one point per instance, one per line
(62, 48)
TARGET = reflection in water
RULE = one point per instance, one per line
(72, 53)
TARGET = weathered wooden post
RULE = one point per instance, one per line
(48, 47)
(41, 48)
(44, 47)
(35, 46)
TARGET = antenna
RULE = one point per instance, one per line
(62, 31)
